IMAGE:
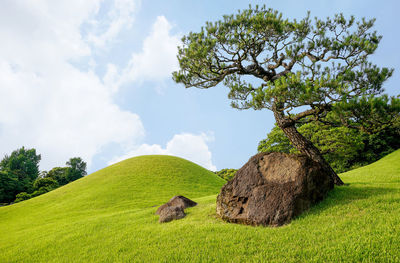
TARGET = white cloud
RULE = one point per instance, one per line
(110, 79)
(45, 101)
(119, 17)
(189, 146)
(37, 34)
(157, 60)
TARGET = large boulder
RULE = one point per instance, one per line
(174, 208)
(272, 188)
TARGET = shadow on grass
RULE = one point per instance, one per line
(344, 195)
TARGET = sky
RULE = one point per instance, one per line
(93, 79)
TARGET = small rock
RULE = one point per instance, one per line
(178, 200)
(174, 209)
(170, 213)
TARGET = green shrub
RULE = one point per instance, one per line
(41, 191)
(22, 196)
(46, 182)
(226, 174)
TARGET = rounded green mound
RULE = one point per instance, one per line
(133, 184)
(149, 180)
(137, 182)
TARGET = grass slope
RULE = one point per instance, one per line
(108, 217)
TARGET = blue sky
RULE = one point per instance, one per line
(93, 79)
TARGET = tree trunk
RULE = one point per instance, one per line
(303, 145)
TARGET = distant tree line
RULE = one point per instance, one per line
(344, 148)
(20, 178)
(358, 142)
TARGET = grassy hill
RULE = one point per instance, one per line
(108, 216)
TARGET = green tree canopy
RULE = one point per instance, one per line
(18, 172)
(59, 174)
(24, 162)
(299, 69)
(76, 169)
(8, 186)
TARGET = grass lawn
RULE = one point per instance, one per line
(108, 216)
